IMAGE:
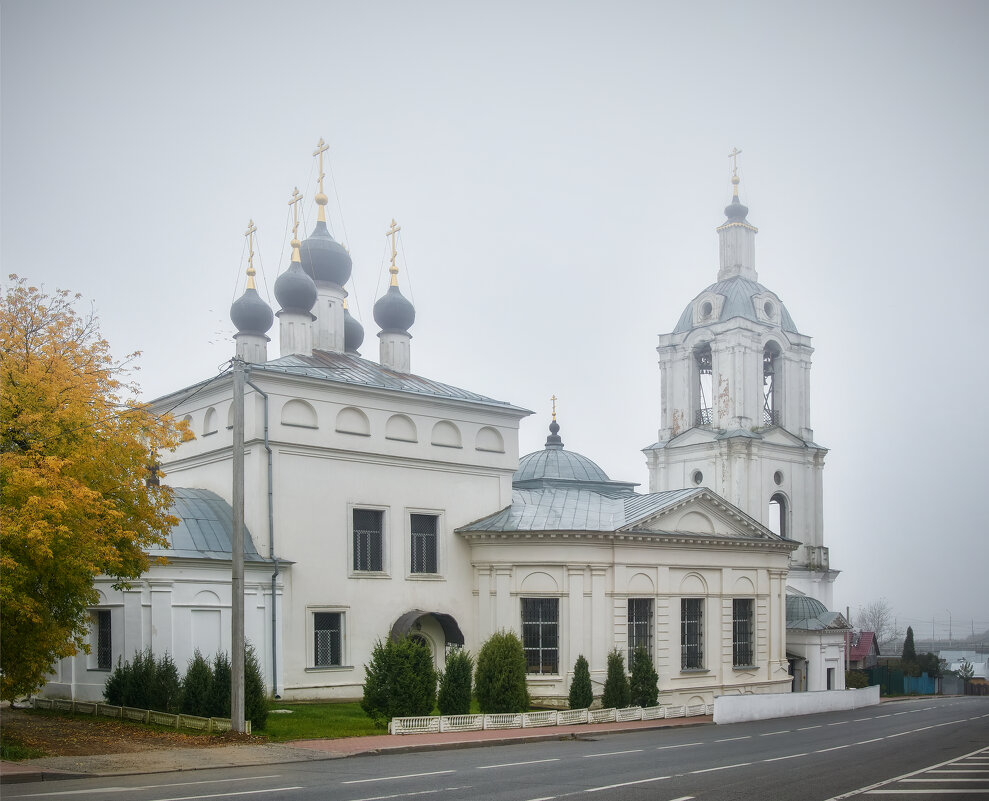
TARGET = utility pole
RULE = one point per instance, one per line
(237, 554)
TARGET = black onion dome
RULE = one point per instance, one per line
(295, 291)
(735, 211)
(353, 332)
(325, 259)
(251, 314)
(393, 312)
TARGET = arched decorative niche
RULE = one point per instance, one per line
(641, 584)
(401, 428)
(695, 522)
(693, 584)
(299, 413)
(206, 598)
(744, 586)
(539, 581)
(351, 420)
(489, 439)
(210, 421)
(230, 416)
(100, 599)
(446, 435)
(695, 701)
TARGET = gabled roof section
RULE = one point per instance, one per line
(863, 644)
(205, 528)
(346, 368)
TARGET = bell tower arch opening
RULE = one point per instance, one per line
(779, 515)
(772, 384)
(704, 386)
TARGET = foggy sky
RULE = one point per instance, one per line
(558, 170)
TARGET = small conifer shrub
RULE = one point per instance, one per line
(399, 681)
(499, 680)
(616, 689)
(644, 686)
(197, 686)
(455, 684)
(255, 698)
(581, 693)
(219, 691)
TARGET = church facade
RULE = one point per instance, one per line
(381, 503)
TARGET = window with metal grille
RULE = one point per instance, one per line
(742, 632)
(639, 626)
(368, 525)
(692, 633)
(104, 647)
(541, 634)
(424, 543)
(328, 639)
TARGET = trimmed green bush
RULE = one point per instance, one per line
(219, 690)
(399, 681)
(166, 689)
(113, 690)
(197, 686)
(856, 679)
(255, 698)
(455, 684)
(138, 680)
(644, 686)
(581, 692)
(145, 683)
(616, 689)
(499, 681)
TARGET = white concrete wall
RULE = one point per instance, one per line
(740, 708)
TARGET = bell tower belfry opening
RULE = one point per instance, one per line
(735, 405)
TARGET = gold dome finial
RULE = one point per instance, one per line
(735, 152)
(393, 269)
(553, 399)
(251, 272)
(296, 244)
(321, 199)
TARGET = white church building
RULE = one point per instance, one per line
(382, 503)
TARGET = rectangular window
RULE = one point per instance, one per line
(742, 632)
(424, 543)
(692, 633)
(102, 638)
(639, 626)
(328, 639)
(368, 534)
(541, 634)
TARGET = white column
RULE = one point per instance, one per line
(600, 636)
(578, 629)
(161, 618)
(484, 628)
(504, 612)
(328, 333)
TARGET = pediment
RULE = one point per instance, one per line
(703, 514)
(780, 436)
(692, 436)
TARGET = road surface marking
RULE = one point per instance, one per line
(839, 723)
(928, 791)
(151, 786)
(403, 776)
(836, 748)
(682, 745)
(514, 764)
(412, 793)
(227, 795)
(792, 756)
(613, 753)
(625, 784)
(722, 767)
(873, 740)
(730, 739)
(771, 733)
(859, 720)
(807, 728)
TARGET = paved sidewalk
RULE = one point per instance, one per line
(167, 760)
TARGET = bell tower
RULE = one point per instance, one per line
(735, 405)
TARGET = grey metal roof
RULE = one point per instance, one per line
(809, 614)
(558, 463)
(350, 369)
(576, 509)
(738, 293)
(204, 528)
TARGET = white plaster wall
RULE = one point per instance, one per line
(740, 708)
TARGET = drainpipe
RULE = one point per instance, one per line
(271, 543)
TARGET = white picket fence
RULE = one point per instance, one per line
(549, 717)
(140, 715)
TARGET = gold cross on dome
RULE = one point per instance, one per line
(249, 233)
(294, 203)
(321, 148)
(393, 269)
(554, 399)
(735, 153)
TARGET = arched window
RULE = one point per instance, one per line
(703, 412)
(779, 514)
(770, 385)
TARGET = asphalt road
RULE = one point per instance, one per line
(925, 748)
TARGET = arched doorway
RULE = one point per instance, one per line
(432, 628)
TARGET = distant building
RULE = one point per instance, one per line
(864, 650)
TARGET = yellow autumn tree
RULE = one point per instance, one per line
(74, 456)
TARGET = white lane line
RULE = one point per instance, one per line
(228, 795)
(873, 740)
(682, 745)
(771, 733)
(839, 723)
(413, 793)
(682, 798)
(961, 770)
(926, 791)
(150, 786)
(891, 736)
(900, 713)
(943, 780)
(544, 798)
(625, 784)
(872, 787)
(731, 739)
(836, 748)
(887, 715)
(859, 720)
(808, 728)
(516, 764)
(722, 767)
(403, 776)
(791, 756)
(613, 753)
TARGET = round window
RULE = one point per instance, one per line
(706, 309)
(697, 477)
(769, 309)
(778, 477)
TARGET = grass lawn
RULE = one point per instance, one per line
(316, 721)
